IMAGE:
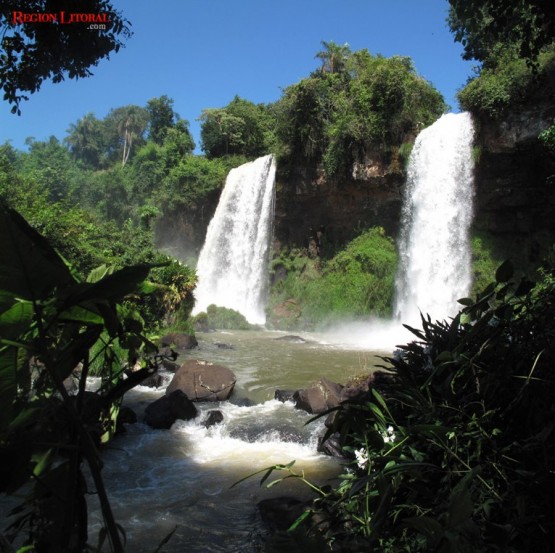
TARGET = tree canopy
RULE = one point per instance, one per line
(356, 101)
(32, 53)
(241, 127)
(528, 25)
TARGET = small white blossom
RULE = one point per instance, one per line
(388, 436)
(361, 456)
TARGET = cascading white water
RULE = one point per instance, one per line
(233, 264)
(434, 248)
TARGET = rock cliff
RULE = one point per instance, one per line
(514, 202)
(309, 205)
(515, 193)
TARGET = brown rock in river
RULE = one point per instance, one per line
(319, 396)
(203, 381)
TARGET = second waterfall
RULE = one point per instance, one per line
(233, 264)
(434, 246)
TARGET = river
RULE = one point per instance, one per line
(162, 479)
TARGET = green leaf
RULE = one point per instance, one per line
(29, 267)
(112, 287)
(444, 357)
(504, 272)
(42, 462)
(148, 287)
(466, 301)
(377, 412)
(75, 351)
(85, 315)
(302, 517)
(15, 320)
(466, 318)
(97, 274)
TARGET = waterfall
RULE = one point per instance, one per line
(233, 264)
(434, 245)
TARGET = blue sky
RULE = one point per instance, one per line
(202, 53)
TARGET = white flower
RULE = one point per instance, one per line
(361, 456)
(388, 436)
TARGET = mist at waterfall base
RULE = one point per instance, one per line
(233, 264)
(434, 245)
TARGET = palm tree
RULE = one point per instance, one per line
(85, 139)
(334, 57)
(131, 122)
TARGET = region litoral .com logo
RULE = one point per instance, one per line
(98, 21)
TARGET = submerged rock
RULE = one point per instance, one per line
(292, 339)
(203, 381)
(284, 395)
(279, 513)
(165, 411)
(222, 345)
(126, 415)
(153, 381)
(266, 432)
(213, 417)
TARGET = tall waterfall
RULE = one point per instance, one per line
(434, 246)
(233, 264)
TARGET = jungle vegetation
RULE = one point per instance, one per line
(451, 453)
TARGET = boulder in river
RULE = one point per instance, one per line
(165, 411)
(155, 380)
(179, 340)
(203, 381)
(279, 513)
(319, 396)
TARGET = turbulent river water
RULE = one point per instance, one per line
(160, 479)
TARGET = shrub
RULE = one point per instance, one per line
(454, 453)
(356, 282)
(508, 83)
(221, 318)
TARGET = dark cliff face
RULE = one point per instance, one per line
(515, 197)
(307, 203)
(514, 202)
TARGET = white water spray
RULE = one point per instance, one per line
(434, 246)
(233, 264)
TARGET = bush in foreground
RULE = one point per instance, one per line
(454, 451)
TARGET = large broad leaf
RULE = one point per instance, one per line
(112, 287)
(29, 267)
(68, 357)
(15, 320)
(504, 272)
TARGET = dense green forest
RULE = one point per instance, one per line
(124, 173)
(451, 453)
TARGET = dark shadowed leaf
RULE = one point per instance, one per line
(29, 267)
(504, 272)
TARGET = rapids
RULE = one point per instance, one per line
(161, 479)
